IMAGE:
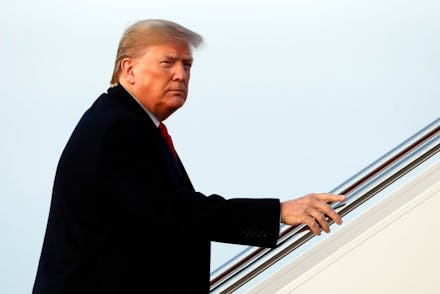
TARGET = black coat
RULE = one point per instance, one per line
(125, 218)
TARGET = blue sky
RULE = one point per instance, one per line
(286, 97)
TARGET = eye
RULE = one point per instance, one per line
(166, 63)
(187, 65)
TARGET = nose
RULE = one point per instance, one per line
(181, 73)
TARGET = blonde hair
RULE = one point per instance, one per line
(150, 32)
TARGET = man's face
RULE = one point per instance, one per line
(161, 76)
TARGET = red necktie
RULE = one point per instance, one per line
(167, 137)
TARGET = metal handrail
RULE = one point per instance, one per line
(358, 189)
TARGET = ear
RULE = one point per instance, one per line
(127, 70)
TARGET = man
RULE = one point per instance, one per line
(124, 215)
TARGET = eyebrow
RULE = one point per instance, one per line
(174, 57)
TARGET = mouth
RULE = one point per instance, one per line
(178, 92)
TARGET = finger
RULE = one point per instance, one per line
(314, 227)
(330, 212)
(320, 219)
(328, 197)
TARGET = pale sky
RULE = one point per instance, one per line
(286, 97)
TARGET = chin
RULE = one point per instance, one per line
(178, 101)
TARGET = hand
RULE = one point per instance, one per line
(311, 210)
